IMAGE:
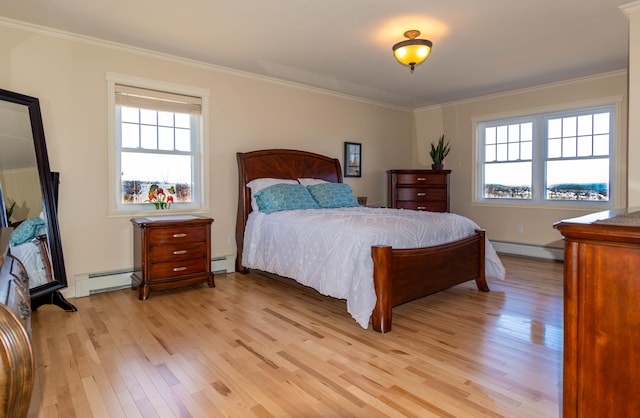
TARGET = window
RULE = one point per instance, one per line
(547, 158)
(158, 149)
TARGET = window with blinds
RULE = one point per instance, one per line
(158, 149)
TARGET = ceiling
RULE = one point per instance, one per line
(479, 47)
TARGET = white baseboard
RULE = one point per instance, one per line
(88, 284)
(527, 250)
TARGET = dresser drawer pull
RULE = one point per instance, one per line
(422, 194)
(176, 269)
(182, 235)
(25, 310)
(421, 178)
(178, 252)
(421, 208)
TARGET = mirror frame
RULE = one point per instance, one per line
(48, 292)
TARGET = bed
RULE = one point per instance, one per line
(397, 275)
(28, 243)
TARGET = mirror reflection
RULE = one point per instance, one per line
(28, 199)
(21, 194)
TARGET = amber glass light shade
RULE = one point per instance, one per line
(413, 51)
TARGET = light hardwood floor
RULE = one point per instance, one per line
(268, 347)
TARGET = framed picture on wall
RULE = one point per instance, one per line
(352, 159)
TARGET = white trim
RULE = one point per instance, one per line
(619, 154)
(527, 250)
(616, 99)
(526, 89)
(630, 8)
(101, 43)
(202, 163)
(88, 284)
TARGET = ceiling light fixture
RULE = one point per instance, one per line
(413, 51)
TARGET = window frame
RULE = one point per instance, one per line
(200, 199)
(540, 116)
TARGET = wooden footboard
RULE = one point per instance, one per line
(399, 275)
(402, 275)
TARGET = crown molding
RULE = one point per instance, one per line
(102, 43)
(630, 8)
(527, 90)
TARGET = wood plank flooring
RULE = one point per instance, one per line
(257, 346)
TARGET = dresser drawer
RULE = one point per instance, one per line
(415, 193)
(413, 178)
(174, 252)
(177, 235)
(429, 206)
(172, 269)
(20, 276)
(19, 303)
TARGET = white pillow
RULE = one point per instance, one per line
(311, 182)
(258, 184)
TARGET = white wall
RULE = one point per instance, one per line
(633, 12)
(68, 75)
(502, 222)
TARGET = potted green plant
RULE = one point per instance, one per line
(438, 153)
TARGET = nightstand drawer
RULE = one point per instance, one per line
(178, 251)
(414, 179)
(177, 235)
(178, 268)
(411, 193)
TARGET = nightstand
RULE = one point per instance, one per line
(171, 251)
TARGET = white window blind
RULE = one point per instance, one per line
(157, 100)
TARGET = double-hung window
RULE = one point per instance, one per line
(158, 153)
(550, 158)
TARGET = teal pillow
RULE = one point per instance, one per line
(333, 195)
(26, 231)
(283, 196)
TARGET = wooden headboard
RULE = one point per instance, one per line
(280, 164)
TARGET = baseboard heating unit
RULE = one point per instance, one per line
(92, 283)
(526, 250)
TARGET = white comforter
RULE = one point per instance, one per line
(29, 254)
(330, 249)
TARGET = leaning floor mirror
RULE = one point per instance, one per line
(28, 190)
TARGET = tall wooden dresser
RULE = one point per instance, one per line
(418, 189)
(171, 251)
(17, 372)
(601, 372)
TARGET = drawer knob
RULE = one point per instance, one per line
(178, 252)
(421, 178)
(179, 269)
(421, 208)
(181, 235)
(24, 309)
(422, 194)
